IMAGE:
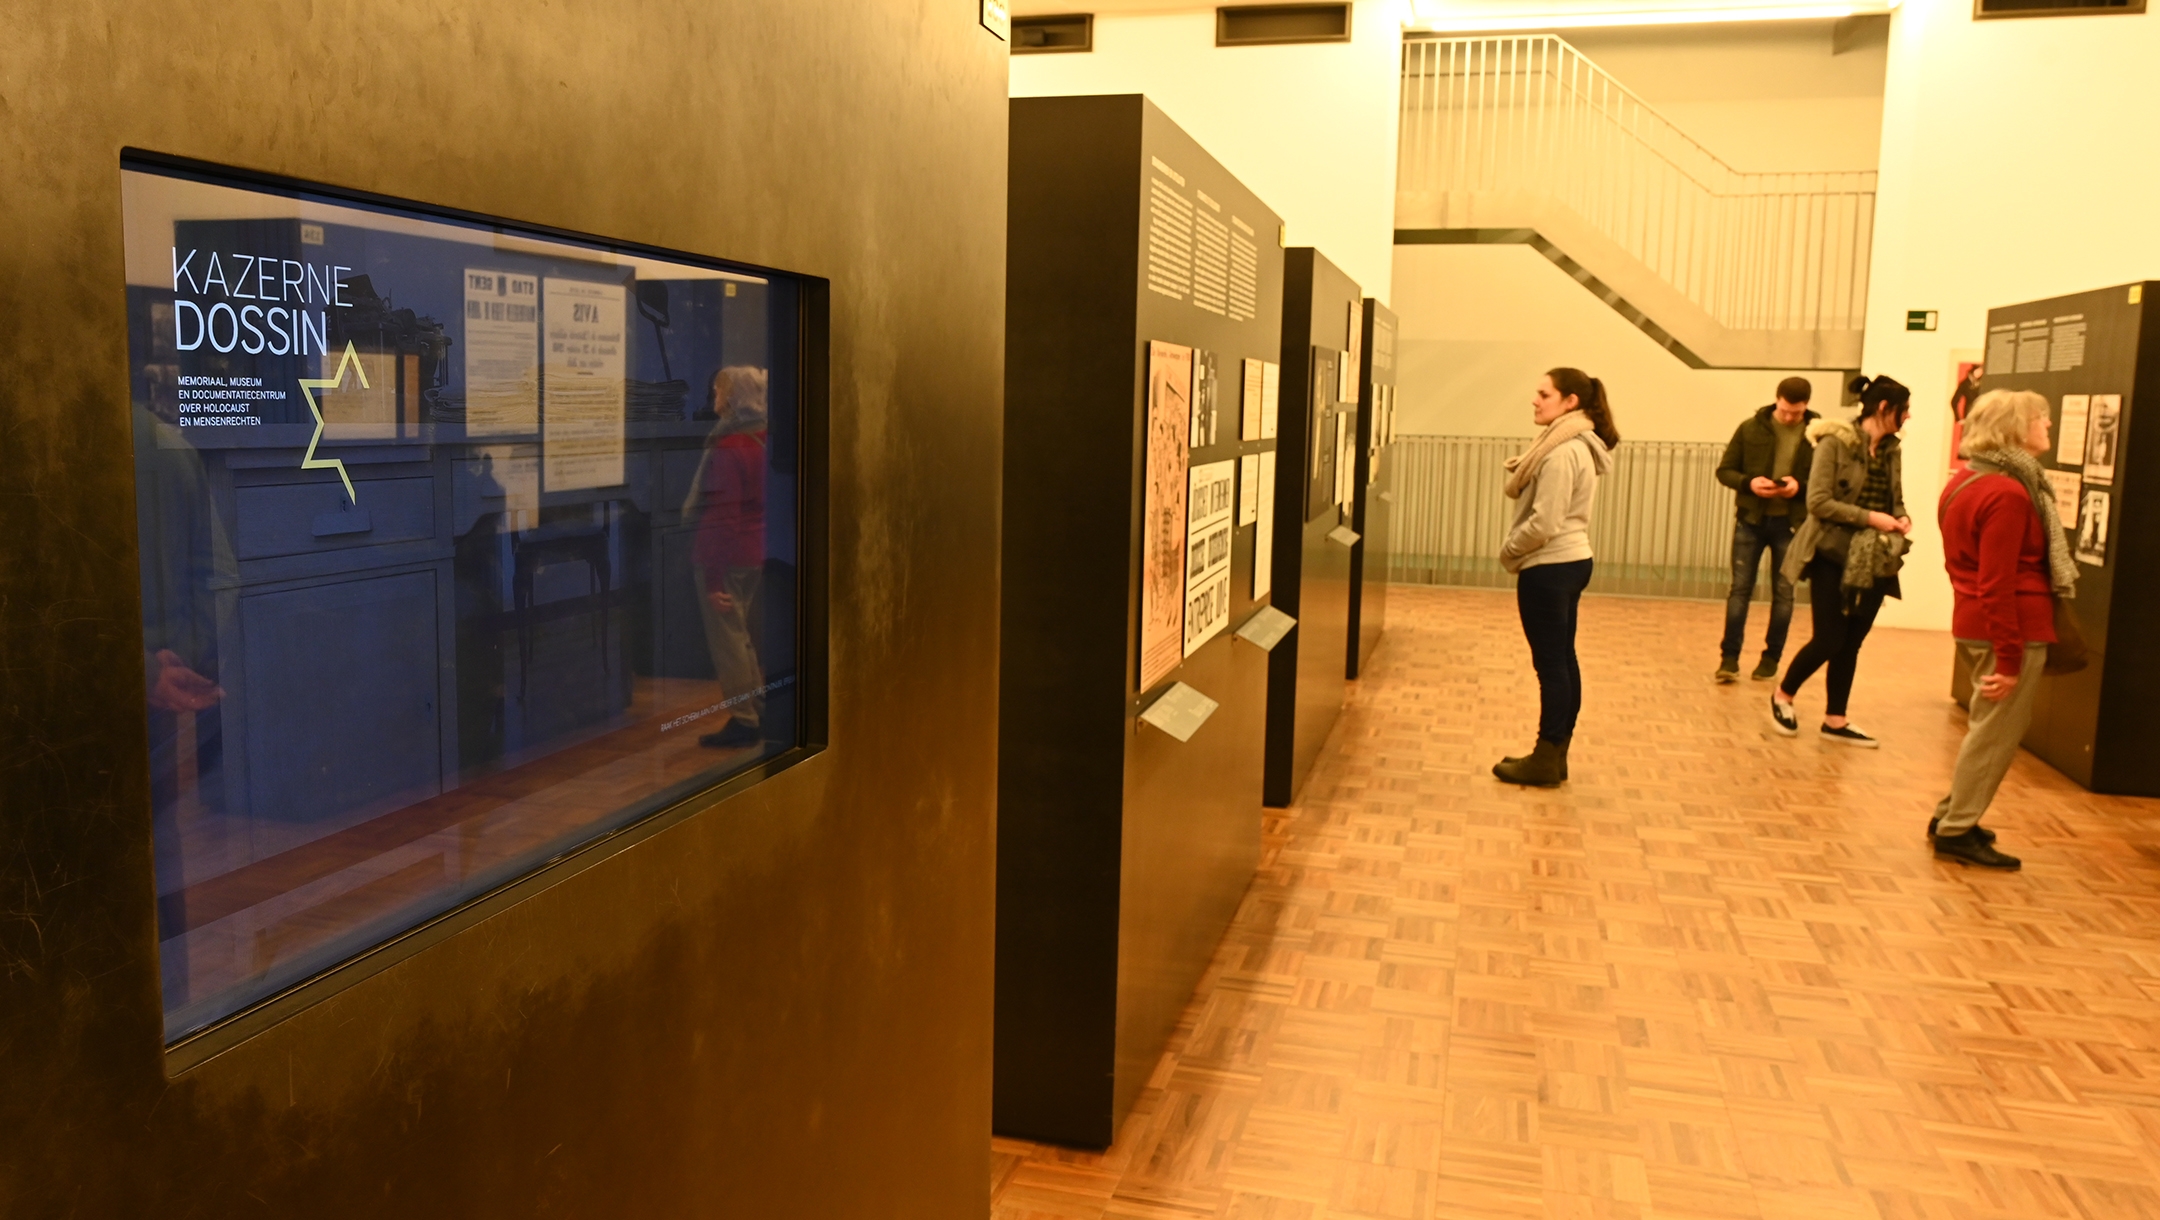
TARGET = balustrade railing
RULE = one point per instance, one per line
(1530, 114)
(1661, 527)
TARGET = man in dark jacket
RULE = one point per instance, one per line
(1766, 465)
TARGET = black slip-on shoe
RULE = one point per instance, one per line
(1986, 835)
(1766, 670)
(1728, 671)
(1784, 718)
(1850, 735)
(1970, 848)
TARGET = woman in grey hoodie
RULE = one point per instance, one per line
(1548, 548)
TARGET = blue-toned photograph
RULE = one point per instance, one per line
(461, 547)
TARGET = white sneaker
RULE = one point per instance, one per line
(1850, 735)
(1783, 719)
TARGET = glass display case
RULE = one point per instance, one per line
(462, 545)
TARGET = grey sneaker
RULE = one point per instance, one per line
(1765, 670)
(1850, 735)
(1728, 670)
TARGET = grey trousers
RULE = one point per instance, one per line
(1993, 728)
(731, 635)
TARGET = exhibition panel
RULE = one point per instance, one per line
(1143, 311)
(1323, 344)
(461, 545)
(417, 796)
(1372, 504)
(2095, 355)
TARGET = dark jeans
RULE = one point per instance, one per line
(1772, 534)
(1838, 635)
(1547, 597)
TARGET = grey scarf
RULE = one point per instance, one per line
(2025, 468)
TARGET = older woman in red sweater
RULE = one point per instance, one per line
(2009, 559)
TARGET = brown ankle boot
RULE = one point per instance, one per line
(1545, 767)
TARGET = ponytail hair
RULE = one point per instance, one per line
(1875, 393)
(1590, 399)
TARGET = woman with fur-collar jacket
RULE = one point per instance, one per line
(1856, 485)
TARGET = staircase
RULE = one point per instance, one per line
(1520, 138)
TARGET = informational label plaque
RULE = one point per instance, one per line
(1179, 711)
(1343, 536)
(1266, 628)
(582, 442)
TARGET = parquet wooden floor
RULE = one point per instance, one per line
(1718, 975)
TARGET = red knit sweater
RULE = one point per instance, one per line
(1996, 550)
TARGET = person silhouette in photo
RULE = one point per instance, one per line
(2092, 531)
(2100, 450)
(727, 501)
(183, 549)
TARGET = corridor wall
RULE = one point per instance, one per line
(1960, 229)
(777, 1004)
(1310, 127)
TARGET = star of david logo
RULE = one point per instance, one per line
(308, 386)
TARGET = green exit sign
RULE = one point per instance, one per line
(1920, 319)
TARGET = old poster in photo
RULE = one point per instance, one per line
(2103, 436)
(1205, 393)
(2092, 535)
(502, 353)
(1248, 500)
(582, 418)
(1211, 505)
(1251, 387)
(2070, 437)
(1263, 566)
(2065, 485)
(1270, 397)
(1162, 529)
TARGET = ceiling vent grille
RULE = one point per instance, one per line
(1051, 35)
(1254, 25)
(1983, 9)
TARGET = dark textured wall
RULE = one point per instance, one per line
(778, 1007)
(1122, 852)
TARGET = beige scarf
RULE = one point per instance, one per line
(1523, 467)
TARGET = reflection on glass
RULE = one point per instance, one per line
(446, 566)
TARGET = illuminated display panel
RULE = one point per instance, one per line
(462, 545)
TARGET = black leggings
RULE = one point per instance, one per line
(1837, 637)
(1547, 597)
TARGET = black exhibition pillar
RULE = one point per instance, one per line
(2095, 359)
(1321, 324)
(1372, 509)
(1144, 289)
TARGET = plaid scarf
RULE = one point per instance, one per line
(2025, 468)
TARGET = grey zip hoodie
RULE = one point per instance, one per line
(1552, 518)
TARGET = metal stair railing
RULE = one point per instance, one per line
(1530, 115)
